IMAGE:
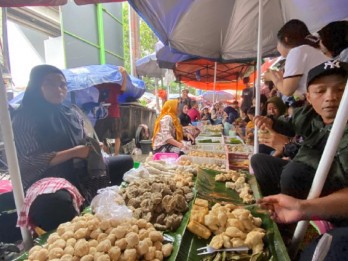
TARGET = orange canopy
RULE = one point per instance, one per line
(237, 85)
(199, 73)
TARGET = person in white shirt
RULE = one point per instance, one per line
(301, 50)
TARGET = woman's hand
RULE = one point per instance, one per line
(283, 208)
(81, 151)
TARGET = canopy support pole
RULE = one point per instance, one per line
(324, 166)
(215, 71)
(156, 93)
(258, 79)
(11, 156)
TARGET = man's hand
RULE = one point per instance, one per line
(283, 208)
(273, 139)
(263, 122)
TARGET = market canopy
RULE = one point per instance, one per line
(227, 29)
(19, 3)
(167, 58)
(199, 73)
(148, 66)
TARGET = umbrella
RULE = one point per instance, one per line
(167, 58)
(227, 29)
(148, 66)
(19, 3)
(220, 96)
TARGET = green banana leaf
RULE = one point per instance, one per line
(207, 188)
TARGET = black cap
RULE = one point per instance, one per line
(327, 68)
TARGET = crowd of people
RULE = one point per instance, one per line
(294, 125)
(295, 122)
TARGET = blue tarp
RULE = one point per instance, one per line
(82, 80)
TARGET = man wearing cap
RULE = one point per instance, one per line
(325, 86)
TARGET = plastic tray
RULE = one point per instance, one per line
(214, 140)
(239, 149)
(167, 157)
(203, 160)
(216, 147)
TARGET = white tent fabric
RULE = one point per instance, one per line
(227, 29)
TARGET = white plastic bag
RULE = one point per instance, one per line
(134, 174)
(109, 204)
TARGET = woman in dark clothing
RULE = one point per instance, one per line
(54, 166)
(185, 120)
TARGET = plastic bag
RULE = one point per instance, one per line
(109, 204)
(134, 174)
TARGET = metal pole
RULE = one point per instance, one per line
(324, 166)
(131, 47)
(215, 71)
(258, 81)
(11, 156)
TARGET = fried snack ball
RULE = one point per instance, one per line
(103, 257)
(158, 245)
(66, 257)
(112, 238)
(69, 250)
(167, 249)
(41, 254)
(105, 225)
(114, 253)
(132, 239)
(217, 241)
(101, 237)
(53, 237)
(104, 246)
(58, 243)
(130, 254)
(159, 255)
(55, 253)
(71, 242)
(34, 249)
(81, 247)
(88, 257)
(120, 232)
(67, 235)
(93, 243)
(141, 223)
(95, 233)
(155, 236)
(92, 251)
(121, 243)
(81, 233)
(142, 248)
(150, 255)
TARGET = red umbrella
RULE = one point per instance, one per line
(19, 3)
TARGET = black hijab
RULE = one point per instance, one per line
(57, 126)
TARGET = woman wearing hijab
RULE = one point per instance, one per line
(168, 132)
(53, 163)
